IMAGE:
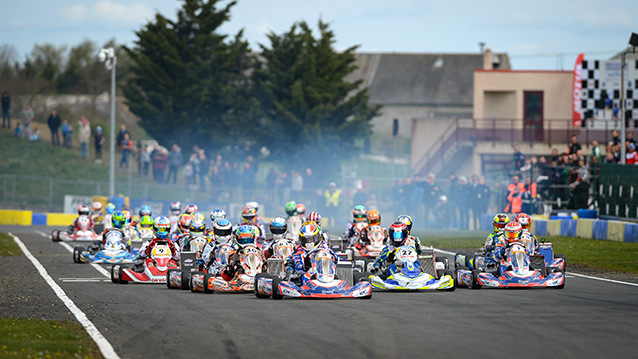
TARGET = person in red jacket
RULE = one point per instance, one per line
(631, 156)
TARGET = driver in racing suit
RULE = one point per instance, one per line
(117, 224)
(82, 211)
(413, 240)
(374, 219)
(500, 221)
(278, 229)
(222, 234)
(183, 229)
(249, 216)
(358, 216)
(526, 222)
(175, 211)
(161, 230)
(398, 236)
(511, 234)
(244, 235)
(196, 229)
(310, 240)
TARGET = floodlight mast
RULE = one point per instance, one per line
(107, 55)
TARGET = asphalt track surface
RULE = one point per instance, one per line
(588, 319)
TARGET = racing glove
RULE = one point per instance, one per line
(376, 269)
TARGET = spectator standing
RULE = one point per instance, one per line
(54, 123)
(443, 213)
(204, 167)
(528, 197)
(175, 159)
(145, 160)
(85, 136)
(629, 138)
(159, 164)
(614, 137)
(27, 119)
(631, 158)
(120, 135)
(464, 201)
(67, 133)
(574, 146)
(482, 200)
(454, 200)
(595, 151)
(126, 147)
(99, 142)
(519, 159)
(6, 110)
(514, 190)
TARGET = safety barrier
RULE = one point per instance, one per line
(584, 227)
(15, 217)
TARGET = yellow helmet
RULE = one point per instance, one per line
(500, 221)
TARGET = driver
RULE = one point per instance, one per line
(374, 219)
(310, 240)
(249, 217)
(96, 212)
(511, 234)
(358, 216)
(83, 211)
(415, 241)
(222, 234)
(398, 234)
(278, 229)
(176, 209)
(500, 221)
(197, 228)
(117, 224)
(110, 209)
(183, 228)
(161, 232)
(244, 235)
(526, 222)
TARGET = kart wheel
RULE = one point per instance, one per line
(361, 277)
(120, 279)
(191, 276)
(275, 287)
(77, 253)
(169, 274)
(113, 278)
(451, 274)
(475, 282)
(186, 279)
(55, 236)
(261, 275)
(207, 289)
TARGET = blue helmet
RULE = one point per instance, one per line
(217, 214)
(118, 219)
(145, 211)
(161, 227)
(110, 208)
(278, 226)
(245, 234)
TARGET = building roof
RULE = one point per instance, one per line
(420, 79)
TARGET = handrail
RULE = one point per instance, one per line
(425, 158)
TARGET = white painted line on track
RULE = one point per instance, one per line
(568, 274)
(105, 347)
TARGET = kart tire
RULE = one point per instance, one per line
(168, 278)
(113, 279)
(120, 279)
(261, 275)
(361, 277)
(556, 270)
(475, 283)
(186, 279)
(191, 275)
(208, 290)
(77, 254)
(451, 273)
(55, 236)
(275, 286)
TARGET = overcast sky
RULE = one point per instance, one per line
(526, 30)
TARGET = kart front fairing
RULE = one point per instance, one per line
(111, 256)
(410, 277)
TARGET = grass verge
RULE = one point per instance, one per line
(8, 246)
(37, 338)
(592, 253)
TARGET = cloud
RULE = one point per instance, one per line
(113, 12)
(76, 13)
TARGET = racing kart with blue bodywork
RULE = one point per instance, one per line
(112, 251)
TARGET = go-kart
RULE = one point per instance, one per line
(113, 251)
(515, 270)
(250, 264)
(152, 270)
(281, 249)
(83, 232)
(180, 278)
(407, 273)
(320, 281)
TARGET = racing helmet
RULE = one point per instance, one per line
(197, 226)
(359, 213)
(146, 222)
(525, 221)
(118, 219)
(315, 217)
(161, 227)
(191, 208)
(97, 207)
(291, 208)
(176, 208)
(217, 214)
(500, 220)
(248, 214)
(512, 232)
(253, 204)
(301, 209)
(278, 226)
(145, 211)
(373, 217)
(245, 234)
(407, 220)
(222, 230)
(184, 223)
(110, 208)
(129, 217)
(200, 215)
(398, 233)
(83, 210)
(310, 236)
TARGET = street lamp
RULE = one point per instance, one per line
(633, 41)
(107, 55)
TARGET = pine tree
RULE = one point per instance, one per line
(189, 82)
(308, 106)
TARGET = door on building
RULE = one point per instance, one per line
(533, 116)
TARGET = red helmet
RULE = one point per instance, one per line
(184, 223)
(301, 208)
(398, 233)
(525, 220)
(512, 232)
(248, 214)
(83, 210)
(192, 208)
